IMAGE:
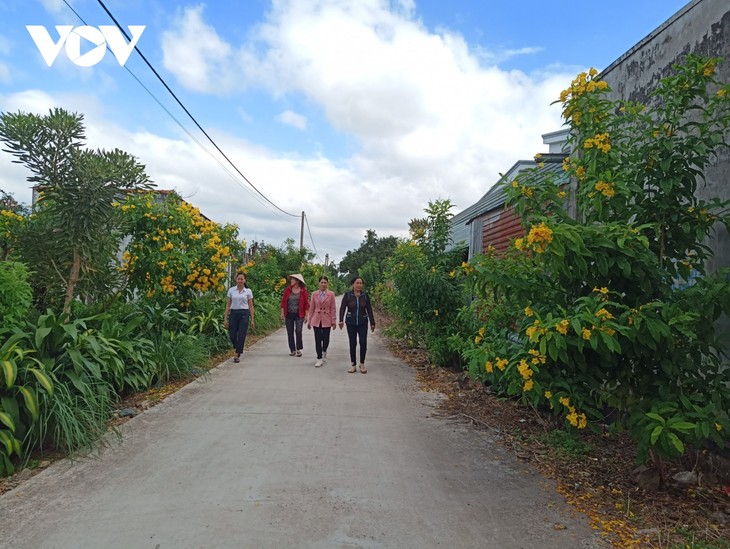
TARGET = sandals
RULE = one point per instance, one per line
(292, 353)
(236, 359)
(352, 369)
(363, 369)
(299, 353)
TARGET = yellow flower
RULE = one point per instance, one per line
(604, 314)
(502, 363)
(562, 326)
(548, 394)
(515, 184)
(539, 237)
(528, 385)
(436, 312)
(565, 401)
(518, 243)
(603, 290)
(586, 333)
(478, 339)
(524, 369)
(489, 367)
(721, 93)
(561, 194)
(529, 312)
(607, 189)
(718, 427)
(572, 418)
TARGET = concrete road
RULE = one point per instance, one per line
(273, 452)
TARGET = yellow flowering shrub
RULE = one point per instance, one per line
(605, 302)
(175, 253)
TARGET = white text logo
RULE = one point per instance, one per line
(105, 35)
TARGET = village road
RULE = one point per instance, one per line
(275, 453)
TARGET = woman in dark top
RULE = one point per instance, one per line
(294, 306)
(356, 312)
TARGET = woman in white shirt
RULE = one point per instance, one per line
(239, 313)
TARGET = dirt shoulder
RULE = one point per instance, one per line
(596, 473)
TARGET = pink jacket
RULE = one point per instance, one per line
(322, 312)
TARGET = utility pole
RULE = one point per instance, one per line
(301, 235)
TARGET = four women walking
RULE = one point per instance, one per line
(294, 306)
(319, 311)
(238, 315)
(322, 317)
(356, 311)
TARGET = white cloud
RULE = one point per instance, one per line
(426, 116)
(54, 6)
(293, 119)
(199, 58)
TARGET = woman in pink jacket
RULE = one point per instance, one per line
(323, 317)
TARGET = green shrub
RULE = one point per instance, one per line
(614, 309)
(15, 294)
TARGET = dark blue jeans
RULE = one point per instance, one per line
(353, 332)
(294, 328)
(238, 328)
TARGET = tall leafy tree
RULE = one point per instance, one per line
(372, 252)
(77, 188)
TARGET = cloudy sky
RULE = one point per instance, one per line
(357, 112)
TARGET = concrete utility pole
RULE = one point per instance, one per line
(301, 234)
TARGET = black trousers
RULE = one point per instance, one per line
(353, 333)
(321, 339)
(238, 328)
(294, 328)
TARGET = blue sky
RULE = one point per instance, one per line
(356, 112)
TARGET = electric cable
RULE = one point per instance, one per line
(162, 80)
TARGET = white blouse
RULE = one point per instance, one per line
(239, 300)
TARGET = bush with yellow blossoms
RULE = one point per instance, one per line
(174, 253)
(605, 305)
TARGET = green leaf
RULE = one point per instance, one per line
(656, 433)
(575, 323)
(655, 417)
(10, 370)
(31, 402)
(41, 334)
(683, 426)
(7, 440)
(8, 421)
(43, 379)
(674, 439)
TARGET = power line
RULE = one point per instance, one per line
(230, 174)
(312, 239)
(162, 80)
